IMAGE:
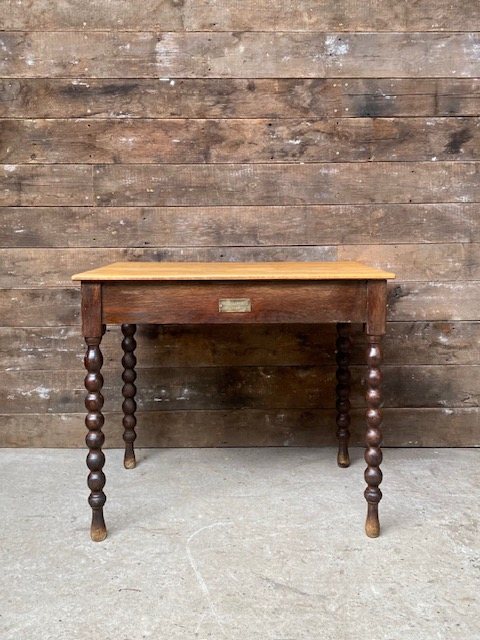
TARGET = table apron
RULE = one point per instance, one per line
(234, 302)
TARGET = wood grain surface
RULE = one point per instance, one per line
(193, 388)
(258, 270)
(257, 427)
(418, 343)
(238, 141)
(293, 232)
(239, 184)
(268, 302)
(442, 301)
(237, 98)
(264, 184)
(457, 262)
(236, 54)
(253, 15)
(216, 131)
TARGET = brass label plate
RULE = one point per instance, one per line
(234, 305)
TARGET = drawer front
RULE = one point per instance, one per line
(234, 302)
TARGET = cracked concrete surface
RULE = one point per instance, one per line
(240, 543)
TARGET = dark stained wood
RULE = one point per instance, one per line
(95, 437)
(198, 303)
(272, 229)
(237, 54)
(243, 140)
(129, 390)
(349, 292)
(375, 330)
(373, 452)
(288, 184)
(255, 15)
(344, 347)
(376, 307)
(238, 98)
(91, 293)
(93, 329)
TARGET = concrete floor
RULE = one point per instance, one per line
(241, 544)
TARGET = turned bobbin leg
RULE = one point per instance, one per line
(95, 437)
(344, 346)
(129, 390)
(373, 452)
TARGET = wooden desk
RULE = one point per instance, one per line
(131, 293)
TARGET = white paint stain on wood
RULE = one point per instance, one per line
(472, 48)
(42, 392)
(166, 50)
(335, 46)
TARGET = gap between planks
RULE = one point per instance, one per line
(272, 79)
(276, 165)
(223, 206)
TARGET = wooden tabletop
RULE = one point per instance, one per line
(234, 271)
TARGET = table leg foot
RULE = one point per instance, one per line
(343, 350)
(129, 461)
(129, 390)
(372, 524)
(343, 459)
(98, 530)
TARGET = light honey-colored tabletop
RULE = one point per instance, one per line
(122, 271)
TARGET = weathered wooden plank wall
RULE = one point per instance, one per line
(219, 130)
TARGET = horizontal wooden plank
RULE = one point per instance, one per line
(250, 184)
(237, 54)
(26, 268)
(25, 185)
(434, 301)
(39, 307)
(239, 184)
(229, 388)
(412, 262)
(92, 15)
(216, 15)
(238, 98)
(237, 226)
(419, 301)
(401, 428)
(47, 348)
(244, 140)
